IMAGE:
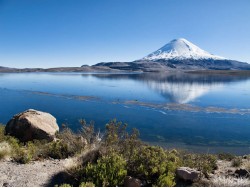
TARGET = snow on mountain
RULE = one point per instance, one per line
(180, 49)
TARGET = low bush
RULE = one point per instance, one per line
(57, 150)
(88, 133)
(109, 171)
(121, 153)
(237, 162)
(87, 184)
(153, 165)
(118, 138)
(65, 185)
(165, 181)
(18, 151)
(2, 131)
(24, 154)
(75, 142)
(226, 156)
(205, 163)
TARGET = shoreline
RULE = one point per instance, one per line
(105, 69)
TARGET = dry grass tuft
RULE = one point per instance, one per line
(221, 181)
(247, 165)
(5, 150)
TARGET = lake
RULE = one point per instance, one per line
(201, 113)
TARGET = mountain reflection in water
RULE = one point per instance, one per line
(179, 88)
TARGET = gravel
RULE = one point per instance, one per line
(34, 174)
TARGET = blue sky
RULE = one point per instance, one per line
(51, 33)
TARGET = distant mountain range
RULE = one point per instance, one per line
(179, 54)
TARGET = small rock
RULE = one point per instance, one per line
(187, 174)
(6, 185)
(131, 182)
(242, 173)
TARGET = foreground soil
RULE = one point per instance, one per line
(34, 174)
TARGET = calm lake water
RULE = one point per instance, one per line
(195, 112)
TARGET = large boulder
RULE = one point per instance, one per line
(187, 174)
(32, 124)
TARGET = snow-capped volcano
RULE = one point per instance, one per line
(180, 49)
(178, 54)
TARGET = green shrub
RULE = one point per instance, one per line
(75, 142)
(165, 181)
(58, 150)
(65, 185)
(237, 162)
(205, 163)
(118, 138)
(40, 149)
(226, 156)
(14, 143)
(24, 154)
(115, 133)
(17, 152)
(2, 133)
(87, 184)
(110, 170)
(88, 132)
(154, 165)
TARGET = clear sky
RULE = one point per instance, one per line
(50, 33)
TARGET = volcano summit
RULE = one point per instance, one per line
(180, 49)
